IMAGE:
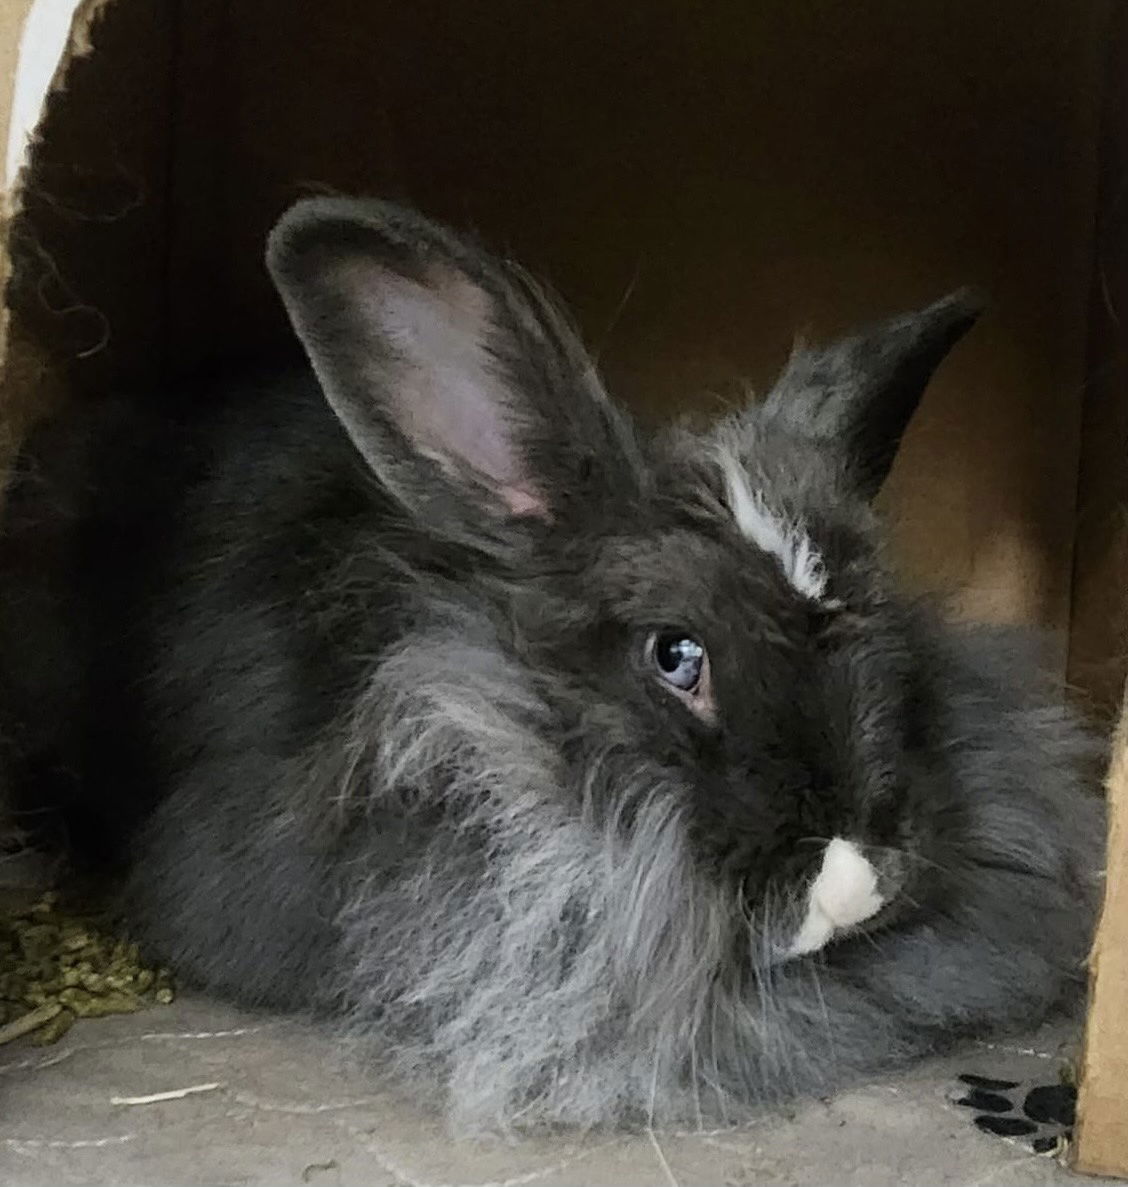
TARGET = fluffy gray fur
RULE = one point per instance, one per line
(569, 969)
(368, 721)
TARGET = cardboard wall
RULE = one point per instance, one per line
(14, 394)
(86, 223)
(698, 185)
(1099, 612)
(743, 174)
(90, 244)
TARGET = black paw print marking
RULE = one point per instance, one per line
(1039, 1114)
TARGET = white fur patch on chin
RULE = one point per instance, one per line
(787, 542)
(843, 894)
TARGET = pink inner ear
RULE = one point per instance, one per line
(524, 502)
(449, 400)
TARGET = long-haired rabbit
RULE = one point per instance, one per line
(595, 775)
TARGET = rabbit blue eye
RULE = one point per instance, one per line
(680, 659)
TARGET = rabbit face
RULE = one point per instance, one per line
(707, 607)
(741, 640)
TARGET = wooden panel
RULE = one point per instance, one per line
(1101, 1145)
(1097, 659)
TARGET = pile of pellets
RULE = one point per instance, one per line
(56, 967)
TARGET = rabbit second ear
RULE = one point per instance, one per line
(447, 368)
(857, 396)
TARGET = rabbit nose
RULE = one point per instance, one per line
(844, 893)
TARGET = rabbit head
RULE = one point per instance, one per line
(707, 606)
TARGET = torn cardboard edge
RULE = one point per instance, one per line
(53, 34)
(48, 36)
(1101, 1136)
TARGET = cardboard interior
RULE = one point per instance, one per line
(699, 185)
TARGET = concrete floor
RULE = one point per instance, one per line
(274, 1107)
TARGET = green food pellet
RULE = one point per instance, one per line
(113, 1003)
(53, 1031)
(37, 942)
(76, 1000)
(74, 940)
(49, 957)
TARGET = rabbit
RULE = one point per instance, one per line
(590, 776)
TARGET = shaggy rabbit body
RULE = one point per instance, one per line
(597, 775)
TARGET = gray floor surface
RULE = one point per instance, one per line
(270, 1104)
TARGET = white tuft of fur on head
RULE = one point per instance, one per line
(771, 532)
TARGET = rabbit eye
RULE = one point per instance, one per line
(679, 658)
(682, 664)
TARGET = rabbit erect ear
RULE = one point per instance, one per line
(858, 395)
(448, 368)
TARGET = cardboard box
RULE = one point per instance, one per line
(699, 184)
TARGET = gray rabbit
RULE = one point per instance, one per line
(592, 776)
